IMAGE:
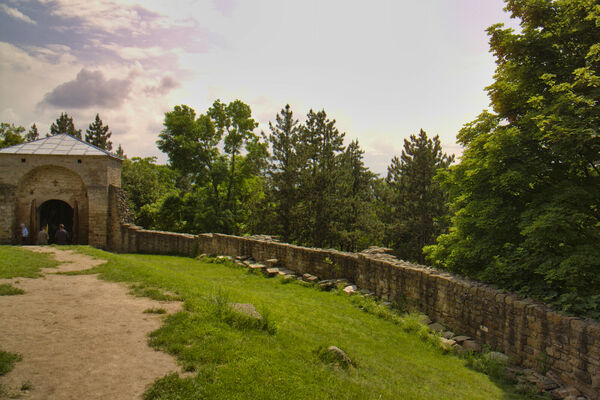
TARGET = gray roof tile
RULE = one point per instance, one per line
(62, 144)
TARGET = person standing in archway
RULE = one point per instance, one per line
(61, 236)
(24, 234)
(42, 237)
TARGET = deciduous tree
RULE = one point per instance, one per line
(526, 193)
(10, 134)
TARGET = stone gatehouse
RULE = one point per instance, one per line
(57, 180)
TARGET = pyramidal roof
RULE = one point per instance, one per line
(61, 144)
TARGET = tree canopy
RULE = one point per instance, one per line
(64, 124)
(10, 134)
(416, 205)
(526, 194)
(98, 134)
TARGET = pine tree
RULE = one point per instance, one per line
(321, 147)
(32, 134)
(284, 170)
(357, 225)
(64, 124)
(120, 152)
(416, 215)
(98, 134)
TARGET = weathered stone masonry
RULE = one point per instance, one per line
(57, 169)
(531, 333)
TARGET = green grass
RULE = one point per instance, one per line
(155, 310)
(232, 356)
(23, 263)
(6, 289)
(7, 361)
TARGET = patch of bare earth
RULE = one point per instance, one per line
(80, 337)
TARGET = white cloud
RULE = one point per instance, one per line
(89, 89)
(130, 53)
(16, 14)
(106, 15)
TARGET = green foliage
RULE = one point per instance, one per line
(482, 362)
(356, 224)
(284, 172)
(525, 195)
(221, 182)
(10, 134)
(64, 124)
(147, 185)
(120, 152)
(321, 150)
(319, 193)
(7, 361)
(415, 204)
(98, 134)
(32, 134)
(172, 387)
(155, 310)
(18, 262)
(6, 289)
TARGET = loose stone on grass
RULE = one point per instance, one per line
(310, 278)
(256, 267)
(471, 345)
(272, 262)
(350, 289)
(283, 272)
(248, 309)
(326, 284)
(448, 334)
(340, 357)
(460, 339)
(271, 271)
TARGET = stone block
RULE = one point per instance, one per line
(272, 262)
(350, 289)
(460, 339)
(471, 345)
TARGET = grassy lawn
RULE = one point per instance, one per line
(231, 358)
(17, 262)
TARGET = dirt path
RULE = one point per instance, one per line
(80, 337)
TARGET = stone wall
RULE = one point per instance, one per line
(28, 180)
(7, 218)
(531, 333)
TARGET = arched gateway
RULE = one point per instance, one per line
(57, 180)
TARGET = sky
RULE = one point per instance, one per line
(383, 69)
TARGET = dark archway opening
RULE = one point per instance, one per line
(54, 213)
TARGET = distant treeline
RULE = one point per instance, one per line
(299, 182)
(97, 133)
